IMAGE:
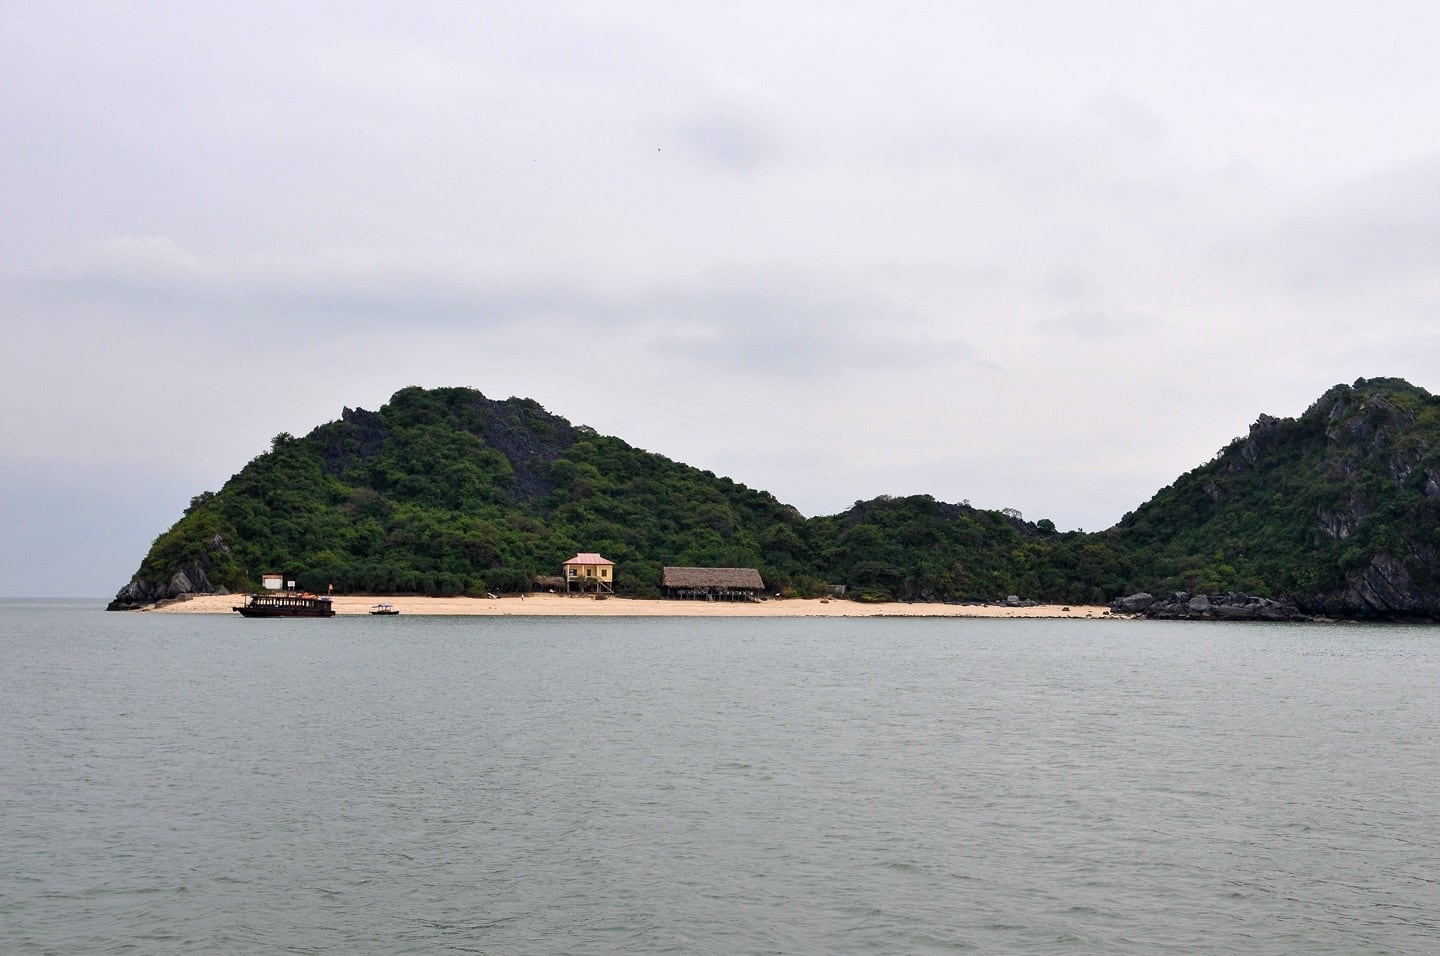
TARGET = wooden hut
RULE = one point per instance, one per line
(711, 584)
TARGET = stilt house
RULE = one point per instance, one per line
(588, 571)
(712, 584)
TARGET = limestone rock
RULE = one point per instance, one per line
(1231, 606)
(1133, 604)
(186, 581)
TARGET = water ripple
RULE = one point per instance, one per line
(526, 786)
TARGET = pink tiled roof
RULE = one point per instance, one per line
(588, 557)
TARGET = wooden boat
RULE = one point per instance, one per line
(384, 609)
(287, 604)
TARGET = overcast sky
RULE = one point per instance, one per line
(1044, 256)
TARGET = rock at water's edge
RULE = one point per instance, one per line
(1232, 606)
(189, 579)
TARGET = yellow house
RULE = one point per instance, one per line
(587, 571)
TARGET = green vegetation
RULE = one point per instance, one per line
(1302, 507)
(447, 492)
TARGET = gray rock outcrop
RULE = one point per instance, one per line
(1133, 604)
(189, 579)
(1231, 606)
(1385, 589)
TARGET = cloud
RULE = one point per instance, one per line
(904, 243)
(1082, 324)
(764, 321)
(1376, 230)
(734, 135)
(155, 276)
(788, 323)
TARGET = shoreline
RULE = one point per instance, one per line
(575, 605)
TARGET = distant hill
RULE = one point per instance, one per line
(445, 491)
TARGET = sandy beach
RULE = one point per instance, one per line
(559, 605)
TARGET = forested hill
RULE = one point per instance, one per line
(1338, 509)
(444, 491)
(447, 492)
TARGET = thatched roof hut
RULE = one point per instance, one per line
(712, 584)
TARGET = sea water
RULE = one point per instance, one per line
(203, 784)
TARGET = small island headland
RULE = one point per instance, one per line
(1328, 516)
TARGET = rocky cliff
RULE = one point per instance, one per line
(1336, 512)
(188, 579)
